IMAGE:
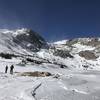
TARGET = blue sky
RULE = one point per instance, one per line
(53, 19)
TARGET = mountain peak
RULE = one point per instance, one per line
(20, 40)
(15, 31)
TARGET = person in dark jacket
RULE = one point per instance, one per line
(11, 69)
(6, 69)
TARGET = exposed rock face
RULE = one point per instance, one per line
(89, 55)
(62, 53)
(93, 42)
(30, 40)
(21, 41)
(85, 41)
(71, 42)
(36, 74)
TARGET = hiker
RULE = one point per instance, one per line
(6, 69)
(11, 69)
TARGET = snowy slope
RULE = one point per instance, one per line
(22, 41)
(77, 80)
(70, 85)
(85, 52)
(71, 53)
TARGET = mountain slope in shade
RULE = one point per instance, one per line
(20, 41)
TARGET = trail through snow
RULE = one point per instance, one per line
(15, 88)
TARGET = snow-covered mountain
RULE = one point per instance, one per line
(77, 53)
(48, 71)
(22, 41)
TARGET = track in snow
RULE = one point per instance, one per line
(15, 88)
